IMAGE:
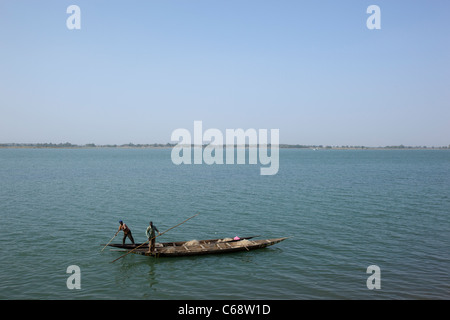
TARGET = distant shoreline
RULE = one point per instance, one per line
(170, 145)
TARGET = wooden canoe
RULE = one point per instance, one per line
(171, 244)
(200, 247)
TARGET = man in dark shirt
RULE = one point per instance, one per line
(126, 232)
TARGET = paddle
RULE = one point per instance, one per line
(155, 237)
(110, 241)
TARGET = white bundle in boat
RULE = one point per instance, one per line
(225, 240)
(192, 243)
(244, 243)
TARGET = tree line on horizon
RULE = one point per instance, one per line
(168, 145)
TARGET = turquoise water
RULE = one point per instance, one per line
(343, 210)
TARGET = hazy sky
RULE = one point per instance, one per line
(137, 70)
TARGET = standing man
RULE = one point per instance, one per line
(126, 232)
(150, 233)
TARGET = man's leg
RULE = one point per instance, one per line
(153, 245)
(131, 237)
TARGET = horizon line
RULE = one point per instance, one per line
(246, 145)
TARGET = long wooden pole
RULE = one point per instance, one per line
(154, 238)
(109, 241)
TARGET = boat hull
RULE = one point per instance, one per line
(201, 247)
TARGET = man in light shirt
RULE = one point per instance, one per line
(150, 233)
